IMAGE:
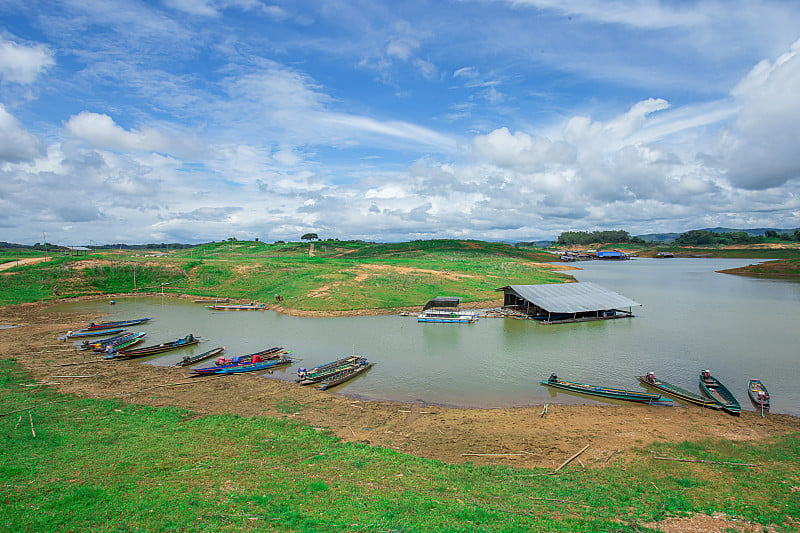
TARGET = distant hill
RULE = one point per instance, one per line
(669, 237)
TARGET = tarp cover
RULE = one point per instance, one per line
(571, 297)
(442, 301)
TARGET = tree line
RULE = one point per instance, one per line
(689, 238)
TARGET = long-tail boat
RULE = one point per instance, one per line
(117, 324)
(759, 395)
(605, 392)
(719, 393)
(306, 376)
(242, 307)
(188, 340)
(102, 343)
(344, 375)
(677, 392)
(186, 361)
(241, 360)
(125, 342)
(93, 333)
(254, 367)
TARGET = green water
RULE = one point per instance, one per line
(691, 318)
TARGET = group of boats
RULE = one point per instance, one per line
(119, 343)
(715, 395)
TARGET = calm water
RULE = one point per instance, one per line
(691, 318)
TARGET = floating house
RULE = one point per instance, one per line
(615, 255)
(445, 309)
(567, 302)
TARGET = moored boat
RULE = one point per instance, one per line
(188, 340)
(120, 344)
(347, 374)
(446, 317)
(102, 343)
(255, 367)
(719, 393)
(604, 392)
(242, 360)
(319, 373)
(677, 392)
(759, 394)
(243, 307)
(117, 324)
(93, 333)
(186, 361)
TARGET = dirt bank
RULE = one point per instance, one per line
(518, 436)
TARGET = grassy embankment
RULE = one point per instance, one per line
(340, 275)
(97, 465)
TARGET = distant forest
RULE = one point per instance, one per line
(690, 238)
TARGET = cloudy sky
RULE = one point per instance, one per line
(197, 120)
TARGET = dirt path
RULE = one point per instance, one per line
(25, 261)
(513, 436)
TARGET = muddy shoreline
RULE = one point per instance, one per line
(520, 436)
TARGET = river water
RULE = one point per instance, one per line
(691, 318)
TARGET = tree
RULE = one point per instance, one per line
(310, 237)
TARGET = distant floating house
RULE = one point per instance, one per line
(612, 254)
(662, 255)
(567, 302)
(445, 309)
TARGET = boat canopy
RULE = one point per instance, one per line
(443, 301)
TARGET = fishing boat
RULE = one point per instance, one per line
(446, 317)
(605, 392)
(93, 333)
(719, 393)
(117, 324)
(120, 344)
(759, 394)
(318, 373)
(255, 367)
(242, 307)
(102, 343)
(186, 361)
(677, 392)
(347, 374)
(213, 301)
(188, 340)
(241, 360)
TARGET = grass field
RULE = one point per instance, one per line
(75, 464)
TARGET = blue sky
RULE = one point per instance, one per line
(197, 120)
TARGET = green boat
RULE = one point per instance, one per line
(604, 392)
(719, 393)
(673, 390)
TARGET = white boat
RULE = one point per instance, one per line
(434, 315)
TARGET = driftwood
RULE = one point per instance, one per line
(568, 461)
(489, 454)
(33, 431)
(662, 458)
(84, 376)
(86, 362)
(417, 412)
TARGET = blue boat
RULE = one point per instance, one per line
(254, 367)
(81, 333)
(242, 360)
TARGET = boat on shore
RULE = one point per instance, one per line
(242, 360)
(186, 361)
(122, 343)
(117, 324)
(719, 393)
(604, 392)
(188, 340)
(81, 333)
(254, 367)
(759, 395)
(212, 301)
(346, 374)
(677, 392)
(319, 373)
(102, 343)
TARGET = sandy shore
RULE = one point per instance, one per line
(520, 437)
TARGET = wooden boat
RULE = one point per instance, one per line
(213, 301)
(117, 324)
(673, 390)
(186, 361)
(605, 392)
(319, 373)
(93, 333)
(188, 340)
(95, 343)
(120, 344)
(243, 307)
(344, 375)
(759, 394)
(241, 360)
(255, 367)
(714, 389)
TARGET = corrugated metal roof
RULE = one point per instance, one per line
(571, 297)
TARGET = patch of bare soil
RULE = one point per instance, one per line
(700, 523)
(24, 261)
(518, 436)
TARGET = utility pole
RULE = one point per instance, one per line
(44, 240)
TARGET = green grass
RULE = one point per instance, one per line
(103, 466)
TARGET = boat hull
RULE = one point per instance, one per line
(719, 393)
(758, 393)
(606, 392)
(678, 392)
(344, 375)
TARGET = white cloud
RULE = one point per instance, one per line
(16, 143)
(23, 64)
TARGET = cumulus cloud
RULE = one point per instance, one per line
(23, 64)
(16, 143)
